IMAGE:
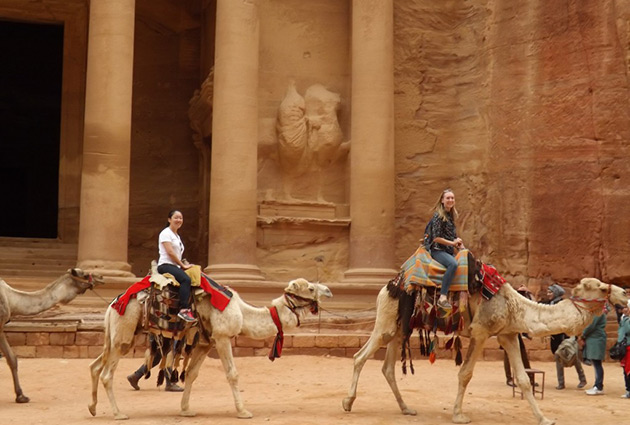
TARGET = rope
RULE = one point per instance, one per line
(102, 298)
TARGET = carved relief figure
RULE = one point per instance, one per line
(309, 135)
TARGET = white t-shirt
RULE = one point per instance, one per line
(167, 235)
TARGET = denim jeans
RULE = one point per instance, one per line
(184, 282)
(599, 374)
(448, 261)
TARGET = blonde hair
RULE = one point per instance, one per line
(439, 207)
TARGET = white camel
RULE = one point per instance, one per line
(238, 318)
(505, 316)
(19, 303)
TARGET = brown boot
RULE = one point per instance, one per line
(133, 380)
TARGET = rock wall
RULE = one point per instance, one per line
(521, 108)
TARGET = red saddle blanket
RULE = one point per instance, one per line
(220, 296)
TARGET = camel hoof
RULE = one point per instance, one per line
(92, 409)
(188, 413)
(121, 417)
(408, 411)
(546, 421)
(22, 399)
(244, 414)
(461, 419)
(347, 403)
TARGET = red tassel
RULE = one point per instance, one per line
(432, 357)
(276, 347)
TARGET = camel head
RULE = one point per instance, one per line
(590, 288)
(83, 281)
(302, 294)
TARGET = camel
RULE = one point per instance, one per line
(505, 316)
(19, 303)
(238, 318)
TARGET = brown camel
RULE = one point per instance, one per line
(238, 318)
(19, 303)
(505, 316)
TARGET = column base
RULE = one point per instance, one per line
(107, 269)
(369, 275)
(225, 272)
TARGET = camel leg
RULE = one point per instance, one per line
(107, 378)
(96, 368)
(465, 375)
(224, 349)
(511, 346)
(375, 342)
(197, 357)
(12, 362)
(389, 370)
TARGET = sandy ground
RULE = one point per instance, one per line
(304, 390)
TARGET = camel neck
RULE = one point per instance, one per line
(30, 303)
(563, 317)
(258, 323)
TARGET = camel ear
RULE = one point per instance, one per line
(77, 272)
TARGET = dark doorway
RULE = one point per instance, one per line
(31, 58)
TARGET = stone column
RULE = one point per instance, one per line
(372, 153)
(104, 215)
(233, 180)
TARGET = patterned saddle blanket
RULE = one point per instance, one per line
(422, 270)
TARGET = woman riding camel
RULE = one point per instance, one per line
(444, 240)
(171, 248)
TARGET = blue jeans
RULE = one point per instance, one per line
(448, 261)
(599, 374)
(184, 282)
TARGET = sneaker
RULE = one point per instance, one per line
(582, 384)
(626, 395)
(594, 391)
(133, 380)
(444, 304)
(186, 315)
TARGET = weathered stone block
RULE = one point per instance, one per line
(89, 338)
(493, 354)
(300, 341)
(26, 351)
(16, 338)
(49, 351)
(62, 338)
(75, 351)
(348, 341)
(243, 341)
(243, 351)
(37, 338)
(326, 341)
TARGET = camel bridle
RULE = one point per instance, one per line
(592, 306)
(296, 303)
(293, 303)
(87, 282)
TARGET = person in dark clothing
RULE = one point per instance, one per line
(555, 294)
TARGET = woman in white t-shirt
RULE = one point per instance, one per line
(171, 248)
